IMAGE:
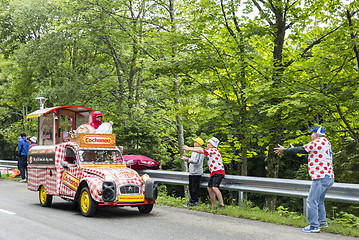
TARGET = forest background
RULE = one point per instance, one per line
(253, 73)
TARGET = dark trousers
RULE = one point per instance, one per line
(22, 165)
(194, 181)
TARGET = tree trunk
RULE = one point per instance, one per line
(356, 53)
(273, 164)
(177, 99)
(117, 62)
(180, 133)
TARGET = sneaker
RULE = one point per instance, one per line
(221, 206)
(191, 204)
(323, 225)
(310, 229)
(23, 181)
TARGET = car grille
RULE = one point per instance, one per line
(130, 189)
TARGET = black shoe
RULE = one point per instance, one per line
(221, 206)
(191, 205)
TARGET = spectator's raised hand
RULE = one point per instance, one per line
(279, 149)
(184, 158)
(186, 148)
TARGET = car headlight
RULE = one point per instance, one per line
(145, 177)
(108, 191)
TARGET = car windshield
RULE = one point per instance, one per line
(105, 156)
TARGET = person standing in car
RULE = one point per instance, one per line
(96, 119)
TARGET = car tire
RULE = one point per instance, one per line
(87, 204)
(145, 209)
(45, 199)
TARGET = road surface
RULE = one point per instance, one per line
(22, 217)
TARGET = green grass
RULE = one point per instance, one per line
(7, 177)
(280, 216)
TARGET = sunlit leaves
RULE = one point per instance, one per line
(130, 60)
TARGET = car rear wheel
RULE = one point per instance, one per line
(45, 199)
(147, 208)
(87, 204)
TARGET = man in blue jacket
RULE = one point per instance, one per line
(23, 148)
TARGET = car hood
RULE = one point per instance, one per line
(121, 175)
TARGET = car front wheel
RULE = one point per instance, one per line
(87, 204)
(147, 208)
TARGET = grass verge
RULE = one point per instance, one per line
(247, 210)
(7, 177)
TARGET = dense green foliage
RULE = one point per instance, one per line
(252, 73)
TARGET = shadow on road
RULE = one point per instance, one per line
(102, 212)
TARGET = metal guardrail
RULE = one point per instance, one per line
(340, 192)
(8, 164)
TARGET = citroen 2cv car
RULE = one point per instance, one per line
(88, 170)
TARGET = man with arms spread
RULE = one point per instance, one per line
(320, 170)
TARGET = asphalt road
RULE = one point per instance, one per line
(22, 217)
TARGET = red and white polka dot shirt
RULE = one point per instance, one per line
(320, 160)
(215, 164)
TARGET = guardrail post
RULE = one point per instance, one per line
(240, 197)
(305, 207)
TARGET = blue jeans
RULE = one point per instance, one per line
(315, 201)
